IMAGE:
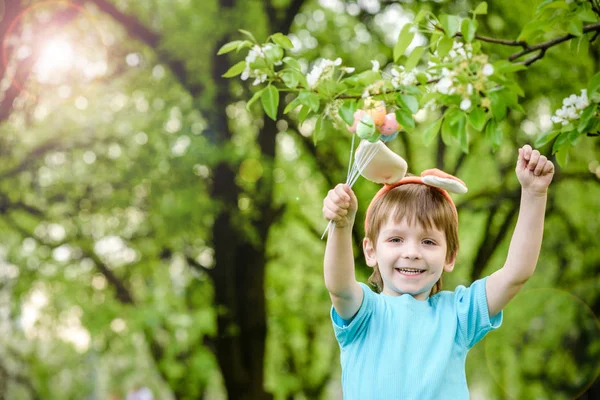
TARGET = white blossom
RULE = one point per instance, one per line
(322, 68)
(401, 77)
(487, 70)
(571, 109)
(465, 104)
(375, 64)
(444, 86)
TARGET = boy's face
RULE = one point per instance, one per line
(400, 248)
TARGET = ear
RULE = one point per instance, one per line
(370, 254)
(449, 266)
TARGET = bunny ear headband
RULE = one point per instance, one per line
(377, 163)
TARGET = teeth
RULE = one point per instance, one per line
(410, 270)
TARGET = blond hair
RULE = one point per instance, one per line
(418, 203)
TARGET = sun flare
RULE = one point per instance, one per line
(56, 57)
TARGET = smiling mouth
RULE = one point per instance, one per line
(409, 271)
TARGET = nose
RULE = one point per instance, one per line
(410, 250)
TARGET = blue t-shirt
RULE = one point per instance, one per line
(403, 348)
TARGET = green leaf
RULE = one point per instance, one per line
(575, 27)
(587, 15)
(498, 106)
(468, 29)
(292, 105)
(254, 98)
(309, 99)
(560, 141)
(447, 133)
(365, 78)
(292, 62)
(450, 23)
(303, 114)
(434, 39)
(322, 128)
(228, 47)
(545, 139)
(573, 136)
(414, 58)
(477, 118)
(404, 40)
(493, 134)
(251, 36)
(421, 14)
(330, 88)
(235, 70)
(405, 118)
(408, 102)
(431, 131)
(580, 46)
(290, 79)
(532, 30)
(282, 40)
(481, 9)
(444, 46)
(594, 85)
(504, 66)
(453, 122)
(562, 155)
(270, 101)
(347, 111)
(586, 120)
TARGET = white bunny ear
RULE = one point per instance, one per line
(448, 184)
(384, 167)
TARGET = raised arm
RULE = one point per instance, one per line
(346, 294)
(535, 173)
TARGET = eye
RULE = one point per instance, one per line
(429, 242)
(395, 240)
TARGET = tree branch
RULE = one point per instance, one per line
(542, 47)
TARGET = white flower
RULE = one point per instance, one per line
(572, 113)
(487, 70)
(569, 101)
(245, 74)
(465, 104)
(322, 68)
(571, 109)
(375, 65)
(443, 86)
(469, 89)
(582, 101)
(348, 70)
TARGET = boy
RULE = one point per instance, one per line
(410, 341)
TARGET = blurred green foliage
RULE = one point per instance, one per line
(144, 215)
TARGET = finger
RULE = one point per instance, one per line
(533, 160)
(521, 160)
(341, 193)
(527, 152)
(336, 208)
(335, 196)
(540, 165)
(331, 215)
(548, 168)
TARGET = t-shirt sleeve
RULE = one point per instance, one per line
(474, 321)
(348, 330)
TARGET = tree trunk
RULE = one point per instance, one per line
(239, 270)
